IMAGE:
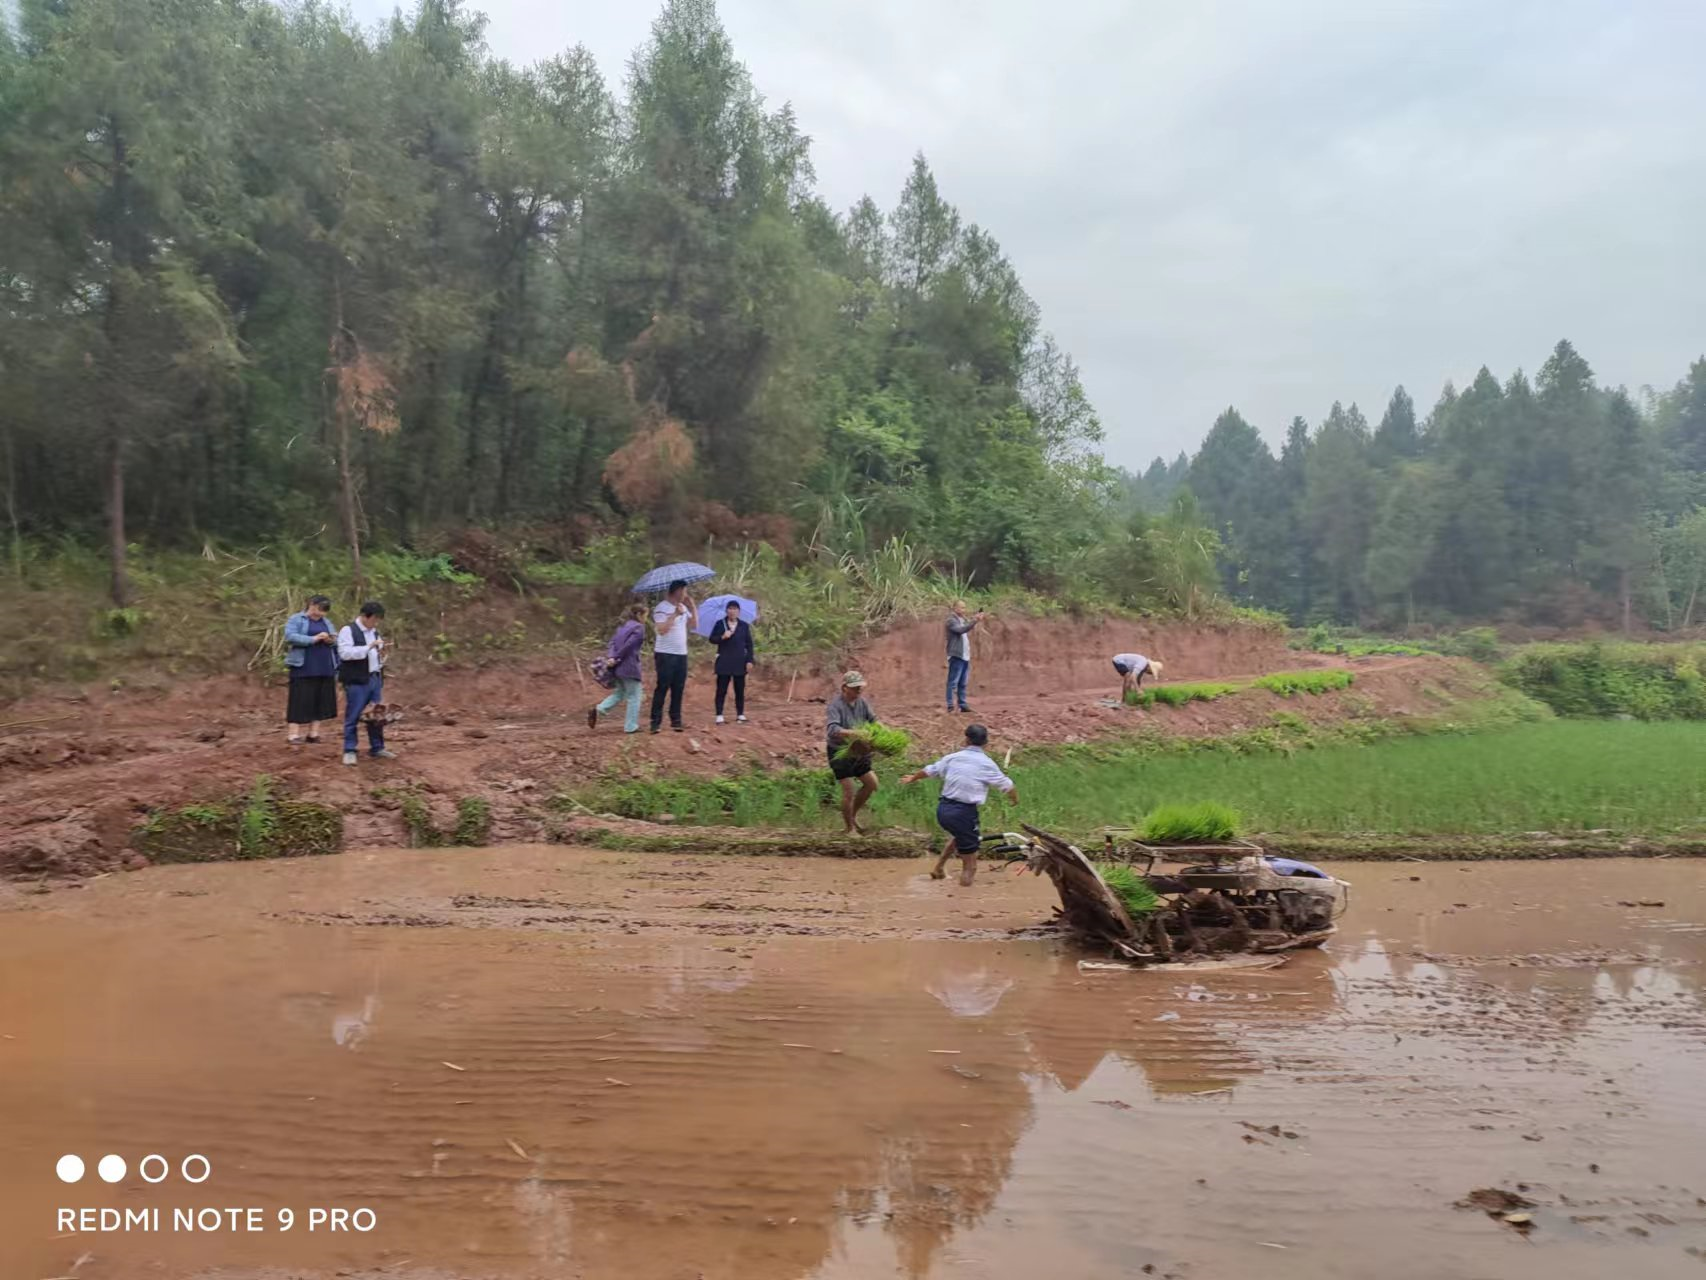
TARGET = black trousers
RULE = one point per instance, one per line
(671, 679)
(723, 692)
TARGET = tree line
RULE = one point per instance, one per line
(1553, 502)
(264, 273)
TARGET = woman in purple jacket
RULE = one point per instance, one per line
(624, 655)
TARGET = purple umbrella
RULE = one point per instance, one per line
(716, 606)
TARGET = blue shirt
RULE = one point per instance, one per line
(968, 775)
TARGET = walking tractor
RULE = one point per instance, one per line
(1182, 902)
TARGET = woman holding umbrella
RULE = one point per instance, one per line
(733, 638)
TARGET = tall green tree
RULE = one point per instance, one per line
(1233, 476)
(1339, 503)
(116, 160)
(1397, 437)
(1404, 539)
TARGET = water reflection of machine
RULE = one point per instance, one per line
(1224, 899)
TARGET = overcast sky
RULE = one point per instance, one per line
(1266, 203)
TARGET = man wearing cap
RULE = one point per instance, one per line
(967, 775)
(848, 710)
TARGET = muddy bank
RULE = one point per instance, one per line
(88, 768)
(919, 1090)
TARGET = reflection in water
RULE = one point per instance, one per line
(815, 1107)
(350, 1029)
(969, 993)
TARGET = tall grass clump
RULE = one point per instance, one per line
(1288, 683)
(1204, 822)
(1642, 681)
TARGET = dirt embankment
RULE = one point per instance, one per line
(80, 768)
(1033, 656)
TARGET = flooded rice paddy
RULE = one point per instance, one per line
(541, 1062)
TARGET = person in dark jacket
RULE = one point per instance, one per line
(311, 654)
(624, 655)
(733, 638)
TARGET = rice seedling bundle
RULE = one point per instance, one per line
(1130, 888)
(1203, 823)
(1287, 683)
(877, 739)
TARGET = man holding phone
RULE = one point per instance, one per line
(671, 619)
(361, 662)
(959, 652)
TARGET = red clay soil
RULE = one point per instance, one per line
(75, 783)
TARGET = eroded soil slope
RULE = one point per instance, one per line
(79, 768)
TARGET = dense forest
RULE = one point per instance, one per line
(1555, 503)
(265, 275)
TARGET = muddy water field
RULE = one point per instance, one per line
(554, 1062)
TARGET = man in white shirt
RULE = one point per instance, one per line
(967, 775)
(671, 618)
(1132, 668)
(361, 663)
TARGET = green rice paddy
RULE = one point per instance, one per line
(1558, 776)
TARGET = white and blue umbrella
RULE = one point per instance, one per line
(717, 606)
(658, 579)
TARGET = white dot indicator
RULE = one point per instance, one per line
(69, 1168)
(111, 1168)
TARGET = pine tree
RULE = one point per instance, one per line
(1339, 504)
(1402, 542)
(119, 148)
(1397, 436)
(1233, 478)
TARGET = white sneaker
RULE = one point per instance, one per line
(742, 719)
(719, 720)
(349, 757)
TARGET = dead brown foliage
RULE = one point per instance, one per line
(647, 469)
(366, 393)
(722, 524)
(477, 551)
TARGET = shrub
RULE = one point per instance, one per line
(1642, 681)
(473, 822)
(257, 825)
(1480, 644)
(1205, 822)
(258, 822)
